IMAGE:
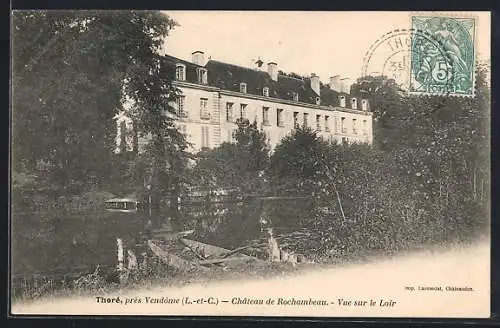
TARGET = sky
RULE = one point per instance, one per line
(324, 43)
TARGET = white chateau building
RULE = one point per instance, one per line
(215, 94)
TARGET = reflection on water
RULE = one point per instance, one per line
(65, 242)
(232, 225)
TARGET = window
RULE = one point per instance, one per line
(354, 103)
(306, 116)
(205, 132)
(204, 114)
(243, 110)
(342, 101)
(265, 92)
(202, 75)
(318, 122)
(318, 100)
(354, 126)
(364, 104)
(327, 124)
(365, 128)
(279, 117)
(229, 112)
(180, 111)
(342, 125)
(180, 72)
(265, 115)
(295, 96)
(243, 87)
(344, 140)
(295, 119)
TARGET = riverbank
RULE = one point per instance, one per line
(384, 278)
(478, 252)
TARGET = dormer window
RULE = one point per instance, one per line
(265, 92)
(342, 101)
(295, 96)
(318, 100)
(243, 87)
(364, 104)
(354, 103)
(180, 72)
(202, 75)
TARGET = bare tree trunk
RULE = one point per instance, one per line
(482, 190)
(474, 183)
(340, 204)
(365, 212)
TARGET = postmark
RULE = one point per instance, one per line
(424, 60)
(442, 62)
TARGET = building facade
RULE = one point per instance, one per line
(215, 94)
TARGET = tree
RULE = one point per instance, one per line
(71, 73)
(240, 164)
(439, 146)
(298, 162)
(388, 106)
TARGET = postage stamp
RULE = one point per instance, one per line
(443, 55)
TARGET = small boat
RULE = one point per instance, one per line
(123, 205)
(211, 254)
(171, 259)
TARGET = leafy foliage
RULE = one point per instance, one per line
(298, 161)
(71, 73)
(424, 181)
(238, 164)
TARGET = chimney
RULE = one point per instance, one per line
(272, 70)
(198, 58)
(335, 83)
(345, 85)
(315, 83)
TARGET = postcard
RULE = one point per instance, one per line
(250, 163)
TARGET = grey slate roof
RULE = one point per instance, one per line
(228, 77)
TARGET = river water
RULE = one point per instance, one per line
(65, 242)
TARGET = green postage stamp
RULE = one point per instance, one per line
(443, 55)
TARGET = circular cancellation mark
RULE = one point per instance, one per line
(412, 58)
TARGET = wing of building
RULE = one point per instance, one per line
(216, 94)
